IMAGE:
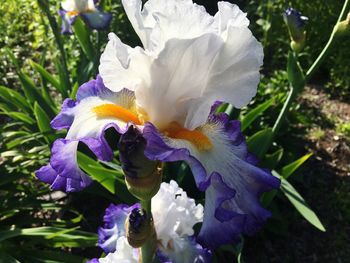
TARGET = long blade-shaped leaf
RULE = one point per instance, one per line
(46, 75)
(289, 169)
(258, 142)
(255, 113)
(299, 203)
(43, 122)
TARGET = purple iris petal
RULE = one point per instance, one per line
(67, 21)
(94, 260)
(63, 173)
(114, 226)
(97, 20)
(65, 118)
(232, 205)
(92, 88)
(157, 149)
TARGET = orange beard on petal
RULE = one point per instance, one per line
(73, 13)
(118, 112)
(196, 137)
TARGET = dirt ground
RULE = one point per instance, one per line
(324, 182)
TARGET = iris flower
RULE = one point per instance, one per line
(87, 10)
(174, 216)
(167, 88)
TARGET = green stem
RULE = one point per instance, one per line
(328, 46)
(284, 110)
(148, 249)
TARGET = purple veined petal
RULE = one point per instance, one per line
(97, 20)
(92, 88)
(215, 232)
(215, 106)
(157, 149)
(64, 173)
(114, 226)
(86, 126)
(94, 260)
(65, 118)
(67, 22)
(227, 172)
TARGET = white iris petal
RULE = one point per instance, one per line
(79, 6)
(190, 60)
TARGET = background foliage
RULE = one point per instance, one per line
(61, 227)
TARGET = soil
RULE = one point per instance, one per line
(324, 182)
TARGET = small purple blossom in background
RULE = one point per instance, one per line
(87, 10)
(296, 23)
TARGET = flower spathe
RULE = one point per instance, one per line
(189, 60)
(174, 216)
(89, 12)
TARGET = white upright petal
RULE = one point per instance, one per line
(91, 5)
(68, 5)
(122, 66)
(162, 20)
(233, 76)
(76, 5)
(190, 60)
(230, 15)
(133, 11)
(178, 75)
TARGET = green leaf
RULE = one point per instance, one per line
(74, 238)
(12, 58)
(299, 203)
(271, 160)
(83, 36)
(32, 93)
(108, 178)
(267, 197)
(47, 76)
(289, 169)
(258, 142)
(6, 258)
(254, 113)
(74, 91)
(63, 78)
(19, 116)
(13, 97)
(295, 74)
(52, 256)
(43, 122)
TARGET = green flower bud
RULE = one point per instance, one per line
(343, 27)
(139, 228)
(142, 176)
(296, 27)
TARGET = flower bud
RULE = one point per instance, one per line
(343, 27)
(139, 227)
(142, 176)
(296, 27)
